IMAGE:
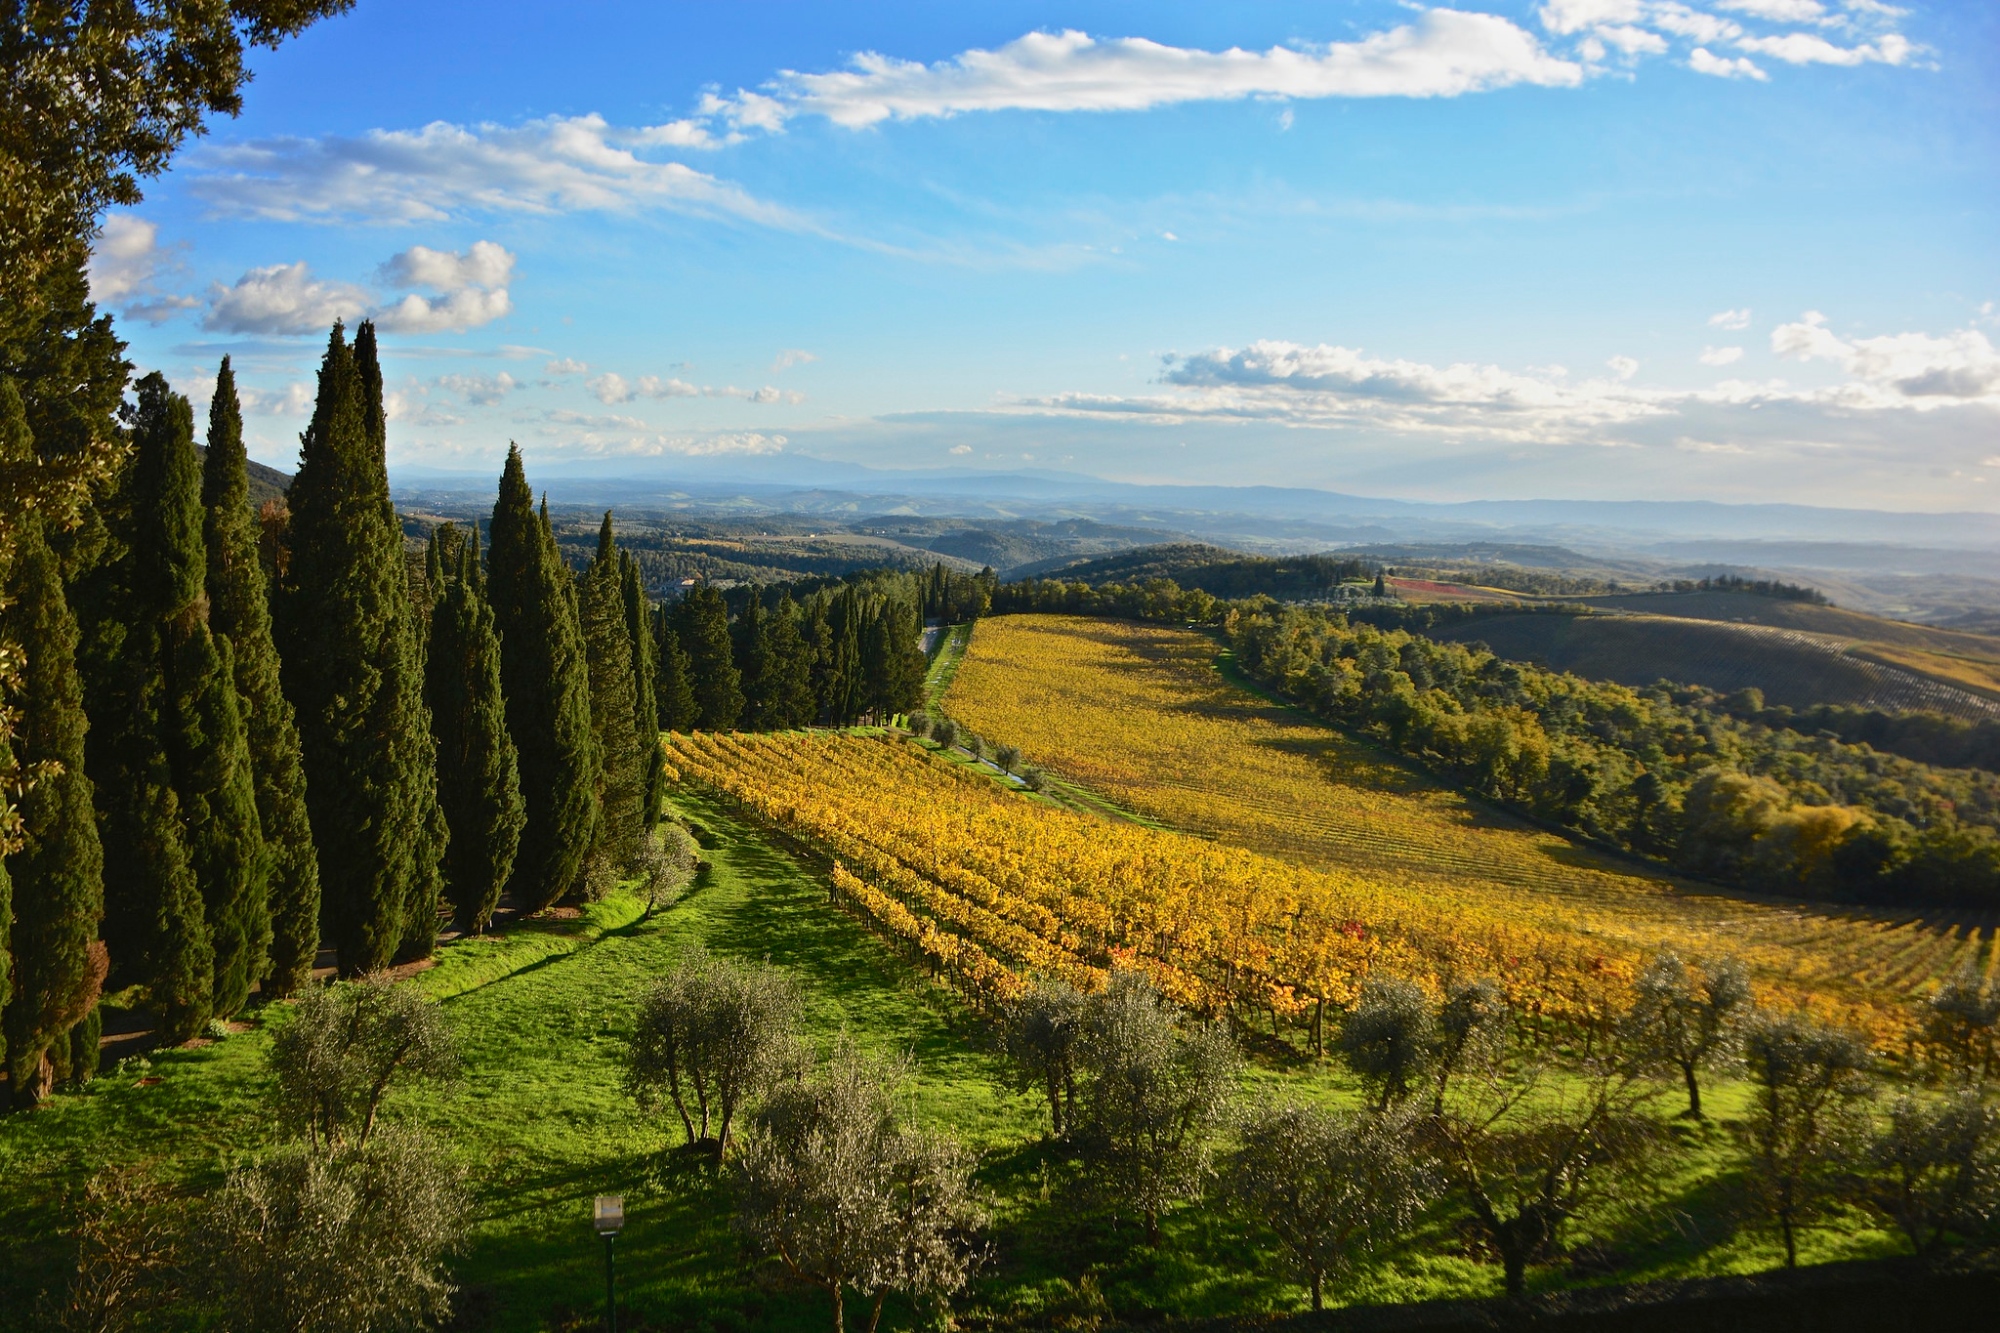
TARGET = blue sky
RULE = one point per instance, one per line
(1724, 249)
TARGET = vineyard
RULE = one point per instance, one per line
(1141, 714)
(991, 889)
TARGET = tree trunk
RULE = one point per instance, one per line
(1318, 1289)
(1694, 1090)
(839, 1310)
(875, 1311)
(1791, 1240)
(1516, 1266)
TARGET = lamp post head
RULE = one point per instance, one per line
(608, 1216)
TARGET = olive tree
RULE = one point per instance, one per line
(1805, 1127)
(1158, 1089)
(1961, 1022)
(1008, 757)
(1472, 1026)
(1936, 1168)
(848, 1197)
(711, 1035)
(343, 1049)
(1042, 1032)
(1333, 1187)
(667, 865)
(1388, 1037)
(351, 1241)
(1687, 1018)
(945, 732)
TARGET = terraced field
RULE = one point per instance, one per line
(1142, 714)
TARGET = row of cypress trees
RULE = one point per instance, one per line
(841, 656)
(221, 769)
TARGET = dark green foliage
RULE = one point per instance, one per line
(57, 875)
(345, 1047)
(239, 612)
(748, 643)
(787, 694)
(478, 782)
(201, 724)
(614, 715)
(674, 692)
(353, 671)
(547, 685)
(645, 675)
(892, 662)
(702, 621)
(833, 633)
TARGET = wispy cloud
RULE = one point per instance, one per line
(612, 389)
(288, 299)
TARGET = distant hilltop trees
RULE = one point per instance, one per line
(1784, 592)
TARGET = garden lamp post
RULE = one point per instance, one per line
(608, 1216)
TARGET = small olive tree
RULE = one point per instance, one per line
(710, 1036)
(1687, 1019)
(351, 1241)
(1388, 1038)
(345, 1046)
(667, 865)
(1333, 1187)
(1008, 757)
(1962, 1024)
(851, 1199)
(1157, 1091)
(945, 732)
(1805, 1129)
(1472, 1027)
(1043, 1033)
(921, 724)
(1936, 1169)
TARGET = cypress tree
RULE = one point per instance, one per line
(675, 692)
(892, 662)
(748, 643)
(239, 612)
(838, 686)
(607, 645)
(478, 782)
(546, 682)
(703, 618)
(645, 705)
(352, 670)
(787, 661)
(57, 967)
(202, 726)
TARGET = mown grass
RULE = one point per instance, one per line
(541, 1123)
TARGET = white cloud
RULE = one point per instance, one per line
(1720, 356)
(1919, 366)
(1730, 319)
(791, 356)
(566, 366)
(629, 437)
(294, 400)
(612, 388)
(1783, 11)
(282, 298)
(485, 264)
(1624, 367)
(122, 258)
(961, 449)
(480, 390)
(461, 310)
(1703, 61)
(409, 408)
(1444, 53)
(1802, 48)
(550, 166)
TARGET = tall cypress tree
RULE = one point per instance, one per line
(239, 612)
(202, 725)
(614, 717)
(478, 783)
(748, 643)
(703, 626)
(645, 671)
(675, 690)
(787, 660)
(547, 686)
(838, 685)
(352, 669)
(58, 872)
(892, 663)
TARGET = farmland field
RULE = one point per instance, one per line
(1142, 714)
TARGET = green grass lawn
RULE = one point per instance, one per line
(541, 1123)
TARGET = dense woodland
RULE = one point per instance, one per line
(1725, 789)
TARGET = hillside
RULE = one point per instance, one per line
(1213, 569)
(266, 483)
(1141, 714)
(1791, 664)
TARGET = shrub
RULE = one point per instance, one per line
(1333, 1187)
(348, 1242)
(667, 866)
(848, 1197)
(344, 1047)
(715, 1034)
(1936, 1169)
